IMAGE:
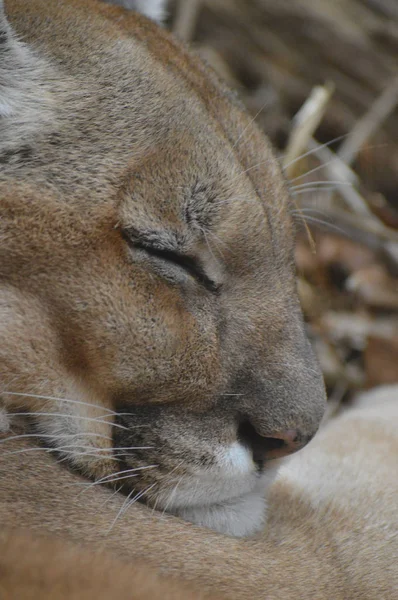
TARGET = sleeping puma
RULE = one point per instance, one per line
(150, 327)
(150, 322)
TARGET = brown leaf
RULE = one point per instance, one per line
(375, 287)
(381, 361)
(333, 250)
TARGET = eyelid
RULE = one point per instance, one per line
(188, 263)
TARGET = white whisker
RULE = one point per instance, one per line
(112, 449)
(114, 479)
(138, 496)
(314, 189)
(329, 143)
(314, 170)
(110, 497)
(320, 184)
(255, 166)
(70, 416)
(66, 400)
(174, 491)
(91, 450)
(217, 243)
(69, 455)
(246, 128)
(120, 512)
(128, 503)
(111, 475)
(208, 245)
(326, 224)
(53, 437)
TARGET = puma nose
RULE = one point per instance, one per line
(273, 445)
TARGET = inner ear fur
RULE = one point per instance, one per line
(24, 99)
(16, 66)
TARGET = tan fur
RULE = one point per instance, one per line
(149, 325)
(147, 289)
(40, 568)
(332, 531)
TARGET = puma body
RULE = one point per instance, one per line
(331, 533)
(151, 335)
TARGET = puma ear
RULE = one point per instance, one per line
(25, 105)
(154, 9)
(19, 69)
(9, 62)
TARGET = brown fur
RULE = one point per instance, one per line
(332, 525)
(39, 568)
(149, 320)
(135, 149)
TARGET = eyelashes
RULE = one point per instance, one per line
(173, 258)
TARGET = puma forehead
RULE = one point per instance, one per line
(149, 318)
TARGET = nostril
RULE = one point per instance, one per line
(268, 447)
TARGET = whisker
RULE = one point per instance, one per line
(307, 209)
(66, 400)
(326, 224)
(178, 465)
(69, 455)
(128, 503)
(78, 450)
(246, 128)
(208, 245)
(285, 167)
(114, 479)
(77, 417)
(320, 184)
(314, 189)
(111, 496)
(262, 163)
(309, 152)
(133, 469)
(136, 498)
(49, 450)
(155, 504)
(174, 491)
(53, 436)
(315, 169)
(120, 512)
(218, 241)
(334, 159)
(112, 449)
(111, 475)
(69, 401)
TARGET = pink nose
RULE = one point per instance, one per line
(273, 445)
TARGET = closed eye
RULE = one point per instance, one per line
(190, 264)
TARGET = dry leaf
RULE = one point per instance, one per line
(375, 287)
(381, 361)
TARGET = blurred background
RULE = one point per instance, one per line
(321, 79)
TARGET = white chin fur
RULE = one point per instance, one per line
(229, 498)
(240, 517)
(235, 507)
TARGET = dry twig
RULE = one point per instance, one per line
(186, 19)
(369, 123)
